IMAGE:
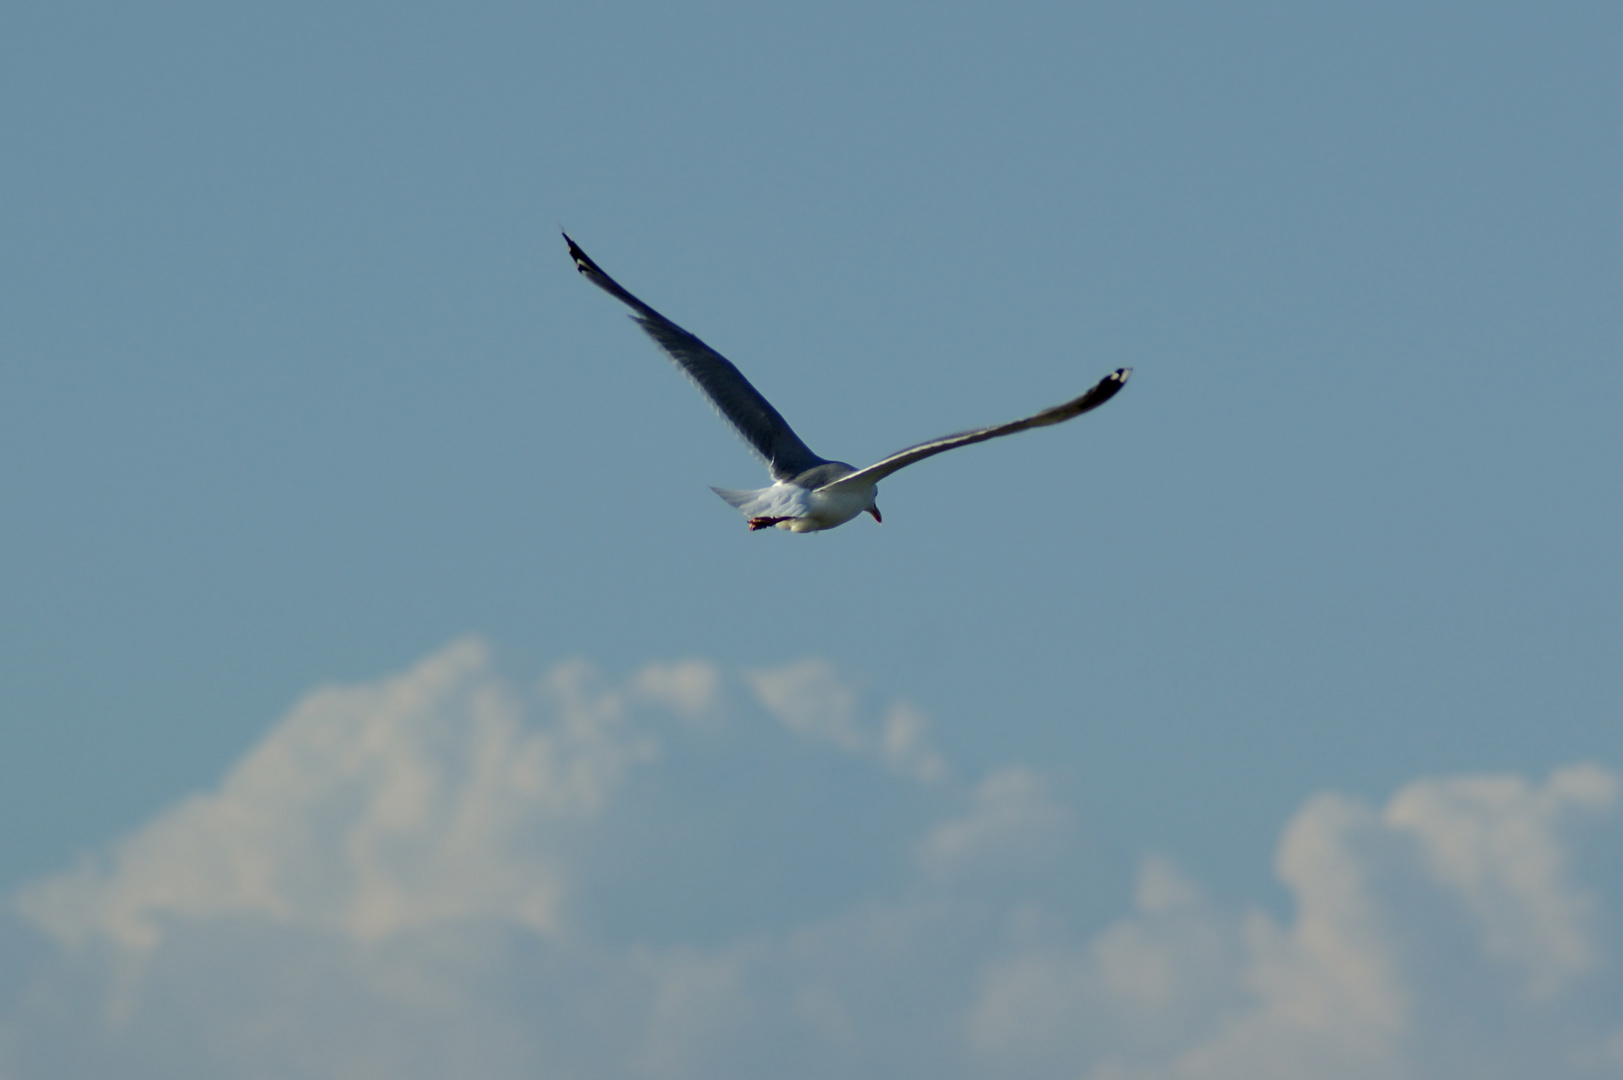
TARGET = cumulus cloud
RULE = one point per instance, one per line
(1418, 936)
(1495, 841)
(1049, 1002)
(371, 810)
(691, 688)
(905, 746)
(446, 872)
(811, 699)
(1014, 819)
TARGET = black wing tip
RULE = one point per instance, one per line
(1105, 389)
(583, 262)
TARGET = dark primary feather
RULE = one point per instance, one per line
(762, 426)
(1102, 391)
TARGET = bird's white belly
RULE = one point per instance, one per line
(801, 509)
(826, 509)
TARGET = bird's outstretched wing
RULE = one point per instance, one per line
(1102, 391)
(739, 403)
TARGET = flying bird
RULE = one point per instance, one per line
(808, 493)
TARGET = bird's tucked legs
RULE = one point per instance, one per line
(765, 522)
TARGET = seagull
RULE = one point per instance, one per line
(808, 493)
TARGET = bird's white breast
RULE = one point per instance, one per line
(826, 509)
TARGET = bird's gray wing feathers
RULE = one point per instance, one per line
(1102, 391)
(739, 403)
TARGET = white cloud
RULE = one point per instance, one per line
(812, 700)
(1330, 999)
(905, 747)
(699, 998)
(1495, 841)
(1368, 978)
(371, 810)
(441, 874)
(691, 688)
(1014, 820)
(1052, 1003)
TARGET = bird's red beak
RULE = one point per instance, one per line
(874, 510)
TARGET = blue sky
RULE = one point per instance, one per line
(299, 390)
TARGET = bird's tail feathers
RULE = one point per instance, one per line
(736, 499)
